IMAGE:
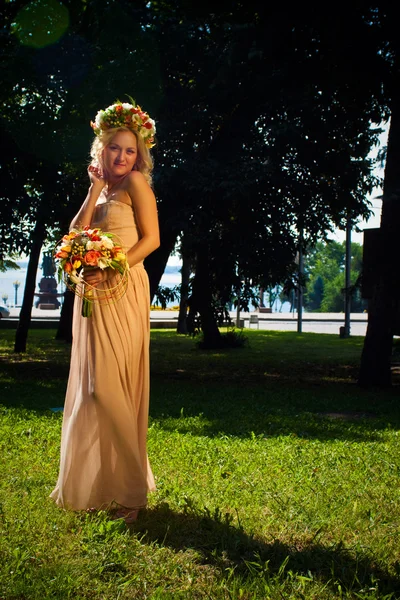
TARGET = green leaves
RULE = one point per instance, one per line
(326, 278)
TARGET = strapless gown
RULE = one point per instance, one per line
(103, 445)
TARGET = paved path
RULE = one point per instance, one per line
(317, 326)
(312, 322)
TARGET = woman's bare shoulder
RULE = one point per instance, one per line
(136, 178)
(137, 185)
(139, 189)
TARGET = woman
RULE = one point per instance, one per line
(104, 462)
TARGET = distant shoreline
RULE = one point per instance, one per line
(170, 278)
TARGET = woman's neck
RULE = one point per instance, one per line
(114, 182)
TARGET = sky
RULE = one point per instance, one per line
(374, 220)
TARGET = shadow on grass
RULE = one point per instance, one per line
(222, 545)
(35, 395)
(322, 412)
(35, 380)
(283, 384)
(326, 412)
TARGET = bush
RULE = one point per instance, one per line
(230, 339)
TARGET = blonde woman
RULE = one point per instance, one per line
(104, 462)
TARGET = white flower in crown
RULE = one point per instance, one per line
(99, 118)
(122, 114)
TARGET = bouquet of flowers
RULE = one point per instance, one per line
(91, 248)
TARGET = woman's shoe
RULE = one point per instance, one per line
(128, 515)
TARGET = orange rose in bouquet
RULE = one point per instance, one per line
(92, 258)
(91, 248)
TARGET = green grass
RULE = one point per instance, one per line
(277, 477)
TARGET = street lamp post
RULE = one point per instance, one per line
(347, 300)
(300, 291)
(4, 297)
(16, 285)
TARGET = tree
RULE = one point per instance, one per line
(8, 263)
(384, 308)
(186, 270)
(264, 132)
(325, 266)
(315, 294)
(304, 136)
(45, 115)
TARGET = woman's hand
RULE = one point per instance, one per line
(95, 277)
(84, 216)
(96, 176)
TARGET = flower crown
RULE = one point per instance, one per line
(123, 114)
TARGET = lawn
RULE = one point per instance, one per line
(277, 478)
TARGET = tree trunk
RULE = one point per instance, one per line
(64, 331)
(261, 296)
(201, 302)
(156, 262)
(21, 336)
(183, 305)
(376, 356)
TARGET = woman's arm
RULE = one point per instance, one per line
(85, 214)
(144, 205)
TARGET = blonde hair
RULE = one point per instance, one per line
(144, 160)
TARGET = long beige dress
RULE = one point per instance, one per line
(103, 446)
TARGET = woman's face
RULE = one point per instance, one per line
(120, 155)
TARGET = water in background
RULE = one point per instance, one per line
(7, 279)
(170, 278)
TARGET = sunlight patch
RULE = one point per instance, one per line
(41, 23)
